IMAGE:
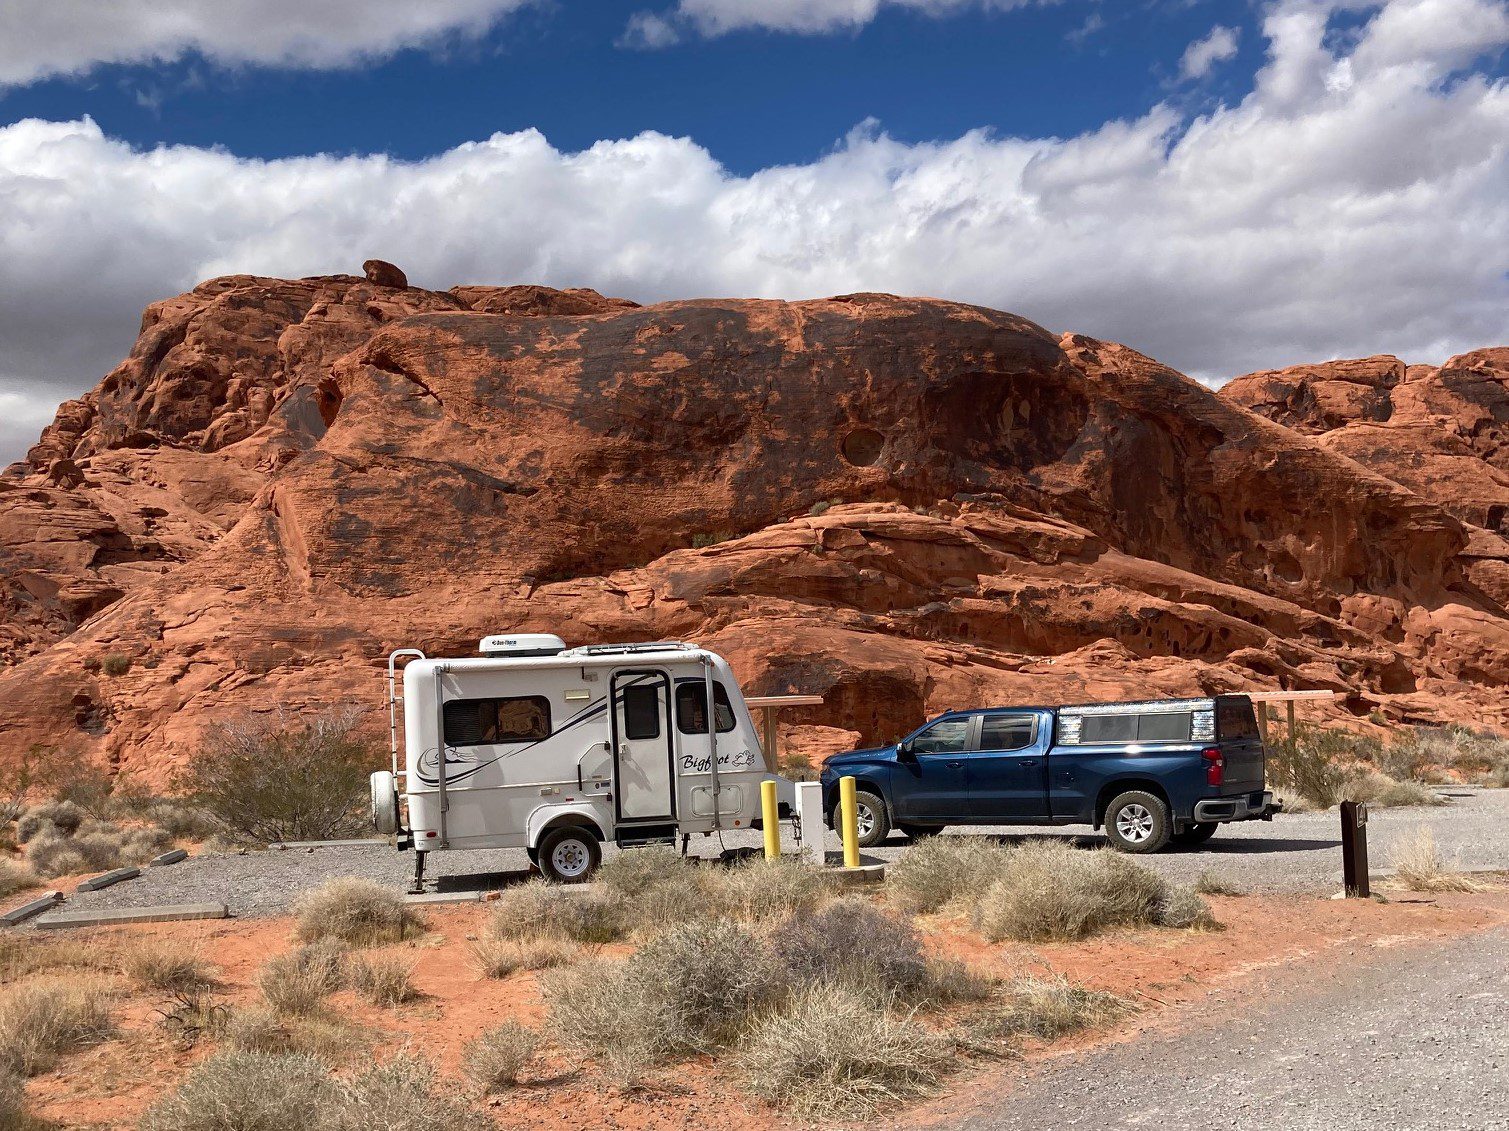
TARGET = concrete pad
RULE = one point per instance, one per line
(105, 917)
(365, 842)
(446, 897)
(856, 877)
(43, 902)
(95, 883)
(167, 858)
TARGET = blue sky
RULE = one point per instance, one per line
(753, 98)
(1225, 185)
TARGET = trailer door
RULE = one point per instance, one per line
(644, 758)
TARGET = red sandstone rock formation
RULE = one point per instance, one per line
(901, 504)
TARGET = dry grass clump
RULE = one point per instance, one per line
(1045, 1008)
(16, 876)
(256, 1091)
(1383, 792)
(1052, 891)
(538, 909)
(498, 958)
(494, 1060)
(297, 983)
(43, 1021)
(1438, 753)
(155, 964)
(1182, 908)
(832, 1053)
(759, 890)
(356, 912)
(12, 1103)
(23, 955)
(944, 871)
(1209, 883)
(193, 1013)
(385, 979)
(1420, 866)
(319, 1035)
(662, 886)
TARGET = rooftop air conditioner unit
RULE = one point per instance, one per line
(523, 644)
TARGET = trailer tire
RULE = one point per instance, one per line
(1137, 822)
(569, 854)
(384, 803)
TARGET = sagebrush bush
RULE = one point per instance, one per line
(943, 871)
(755, 891)
(12, 1103)
(158, 964)
(298, 982)
(383, 979)
(43, 1020)
(1383, 792)
(236, 1090)
(855, 944)
(91, 846)
(1315, 763)
(401, 1095)
(494, 1060)
(271, 780)
(660, 886)
(498, 958)
(16, 876)
(356, 912)
(1182, 908)
(1045, 1008)
(1049, 891)
(538, 909)
(1420, 866)
(1435, 753)
(831, 1053)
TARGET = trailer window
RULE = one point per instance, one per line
(691, 708)
(642, 711)
(484, 722)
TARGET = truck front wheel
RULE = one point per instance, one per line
(874, 825)
(1137, 822)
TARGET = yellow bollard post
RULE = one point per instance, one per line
(770, 814)
(849, 818)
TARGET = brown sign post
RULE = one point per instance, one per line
(1354, 848)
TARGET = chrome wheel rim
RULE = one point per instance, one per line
(1134, 823)
(864, 820)
(569, 858)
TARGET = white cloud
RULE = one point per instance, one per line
(1317, 218)
(1203, 54)
(42, 38)
(806, 17)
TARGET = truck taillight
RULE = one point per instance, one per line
(1215, 769)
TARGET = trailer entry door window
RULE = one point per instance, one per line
(484, 722)
(642, 711)
(691, 708)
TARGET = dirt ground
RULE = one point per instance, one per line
(1165, 971)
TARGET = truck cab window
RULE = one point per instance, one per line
(949, 736)
(1007, 732)
(691, 708)
(485, 722)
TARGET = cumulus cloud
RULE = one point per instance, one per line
(806, 17)
(1353, 203)
(1203, 54)
(42, 38)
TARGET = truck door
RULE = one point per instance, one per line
(929, 782)
(643, 759)
(1007, 774)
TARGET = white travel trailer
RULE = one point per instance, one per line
(558, 750)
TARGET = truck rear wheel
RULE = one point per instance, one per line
(1197, 833)
(1137, 822)
(569, 855)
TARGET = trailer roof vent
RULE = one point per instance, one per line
(523, 644)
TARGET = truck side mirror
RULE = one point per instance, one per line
(904, 751)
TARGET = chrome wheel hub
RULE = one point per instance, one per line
(1134, 823)
(864, 820)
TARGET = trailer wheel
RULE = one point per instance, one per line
(569, 855)
(1137, 822)
(1197, 833)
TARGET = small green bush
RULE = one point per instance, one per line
(1315, 763)
(703, 541)
(356, 912)
(115, 664)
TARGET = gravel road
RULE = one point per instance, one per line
(1417, 1039)
(1299, 852)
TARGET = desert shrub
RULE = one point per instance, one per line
(1421, 867)
(1209, 883)
(320, 1035)
(498, 958)
(760, 890)
(943, 870)
(1498, 776)
(356, 912)
(61, 816)
(688, 990)
(853, 943)
(831, 1053)
(16, 876)
(153, 964)
(115, 664)
(93, 846)
(178, 819)
(1423, 753)
(1052, 891)
(385, 980)
(717, 538)
(1314, 763)
(23, 955)
(192, 1013)
(401, 1095)
(537, 909)
(12, 1103)
(298, 982)
(270, 780)
(494, 1060)
(1383, 792)
(248, 1091)
(1182, 908)
(661, 886)
(42, 1021)
(1045, 1008)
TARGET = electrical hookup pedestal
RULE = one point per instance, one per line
(1354, 849)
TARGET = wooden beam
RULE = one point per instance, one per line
(1286, 696)
(755, 701)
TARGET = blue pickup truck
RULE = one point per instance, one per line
(1150, 773)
